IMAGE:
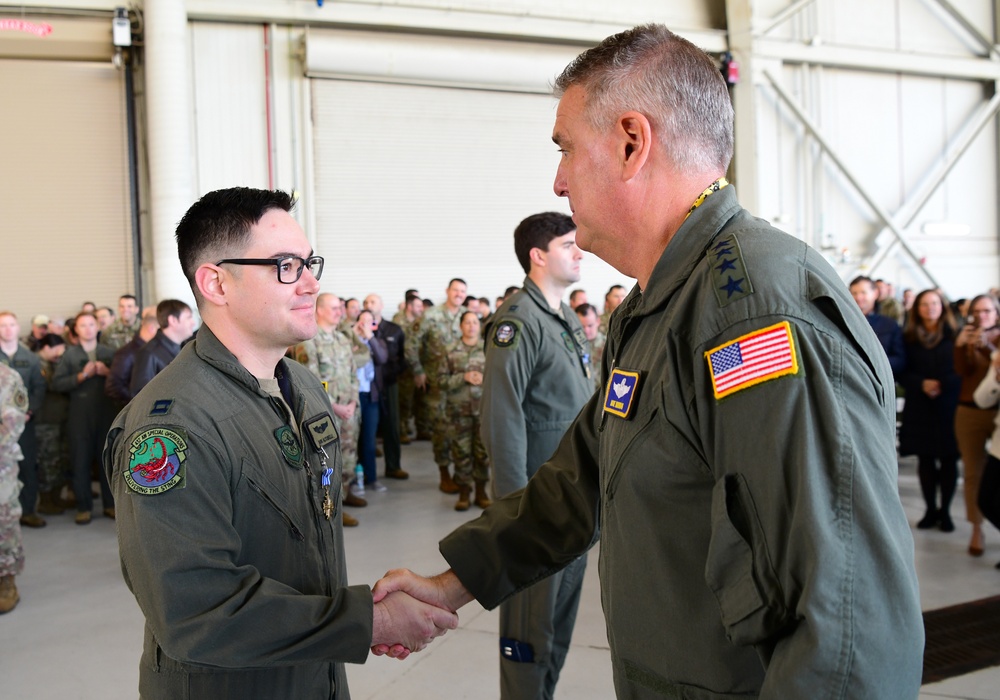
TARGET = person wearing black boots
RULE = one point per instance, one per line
(932, 388)
(987, 395)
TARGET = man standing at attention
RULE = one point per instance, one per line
(536, 380)
(740, 465)
(328, 356)
(439, 327)
(227, 473)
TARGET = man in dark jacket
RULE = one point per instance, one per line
(118, 384)
(889, 334)
(176, 325)
(393, 337)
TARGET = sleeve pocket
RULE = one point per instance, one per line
(741, 580)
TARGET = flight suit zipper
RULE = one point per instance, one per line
(284, 516)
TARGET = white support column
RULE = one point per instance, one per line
(171, 150)
(739, 15)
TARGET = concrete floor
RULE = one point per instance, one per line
(77, 633)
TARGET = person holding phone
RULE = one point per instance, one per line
(974, 425)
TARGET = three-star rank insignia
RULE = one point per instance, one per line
(729, 274)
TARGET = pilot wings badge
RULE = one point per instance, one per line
(620, 393)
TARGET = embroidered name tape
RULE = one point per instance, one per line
(622, 387)
(752, 359)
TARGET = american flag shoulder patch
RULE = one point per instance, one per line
(751, 359)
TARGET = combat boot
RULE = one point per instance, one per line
(8, 594)
(48, 504)
(463, 497)
(482, 500)
(448, 484)
(32, 520)
(348, 520)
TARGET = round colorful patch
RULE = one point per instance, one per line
(505, 334)
(156, 461)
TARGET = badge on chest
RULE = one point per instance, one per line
(620, 394)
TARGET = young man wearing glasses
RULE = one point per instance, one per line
(228, 467)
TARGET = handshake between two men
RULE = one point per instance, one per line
(410, 611)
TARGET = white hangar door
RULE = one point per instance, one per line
(64, 188)
(423, 169)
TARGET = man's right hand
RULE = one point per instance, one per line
(403, 625)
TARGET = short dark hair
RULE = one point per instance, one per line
(51, 340)
(128, 296)
(218, 225)
(169, 308)
(106, 308)
(428, 302)
(862, 278)
(456, 279)
(461, 319)
(510, 290)
(410, 293)
(586, 309)
(611, 289)
(537, 231)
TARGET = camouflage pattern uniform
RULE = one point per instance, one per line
(409, 407)
(120, 333)
(53, 444)
(13, 415)
(467, 449)
(425, 352)
(330, 357)
(596, 353)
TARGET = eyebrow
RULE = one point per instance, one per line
(290, 254)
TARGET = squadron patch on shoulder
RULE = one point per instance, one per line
(619, 397)
(21, 400)
(156, 461)
(506, 334)
(289, 444)
(753, 358)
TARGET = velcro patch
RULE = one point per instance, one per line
(506, 334)
(751, 359)
(21, 399)
(161, 407)
(623, 385)
(156, 461)
(321, 431)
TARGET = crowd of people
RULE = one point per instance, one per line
(79, 373)
(945, 362)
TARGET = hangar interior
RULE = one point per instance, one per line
(417, 134)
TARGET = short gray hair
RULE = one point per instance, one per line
(676, 85)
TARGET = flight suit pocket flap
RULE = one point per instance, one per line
(729, 569)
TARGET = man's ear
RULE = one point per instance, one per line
(537, 256)
(211, 280)
(635, 135)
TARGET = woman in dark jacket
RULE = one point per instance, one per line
(932, 387)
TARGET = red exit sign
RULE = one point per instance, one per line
(20, 25)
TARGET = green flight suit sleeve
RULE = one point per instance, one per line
(507, 548)
(507, 372)
(806, 563)
(182, 559)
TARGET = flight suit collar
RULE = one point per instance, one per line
(684, 252)
(210, 349)
(534, 292)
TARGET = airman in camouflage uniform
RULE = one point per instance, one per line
(13, 414)
(123, 328)
(425, 351)
(409, 407)
(329, 356)
(591, 328)
(461, 378)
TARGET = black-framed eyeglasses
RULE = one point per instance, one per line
(289, 268)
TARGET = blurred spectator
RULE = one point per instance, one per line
(118, 385)
(887, 330)
(932, 387)
(973, 425)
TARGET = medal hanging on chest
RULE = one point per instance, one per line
(327, 502)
